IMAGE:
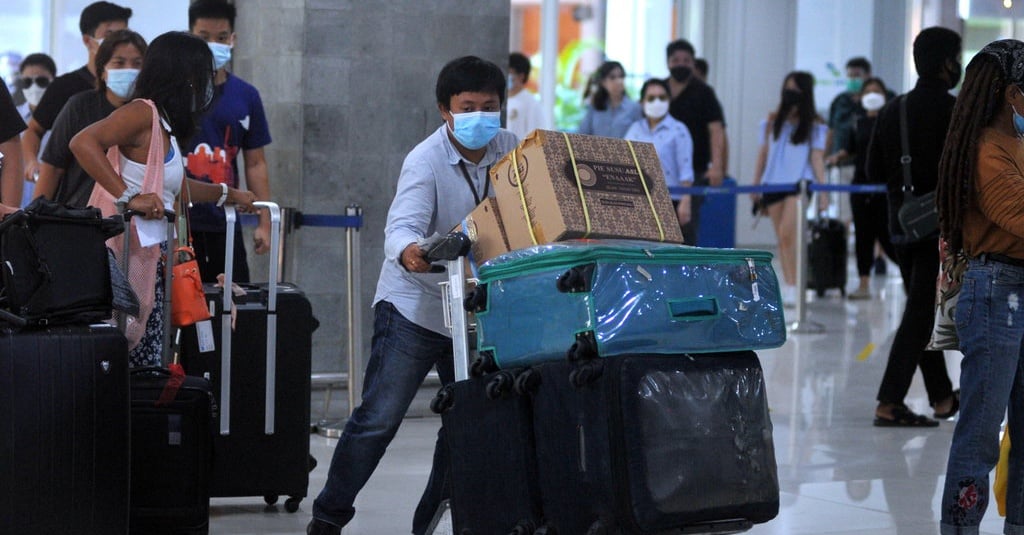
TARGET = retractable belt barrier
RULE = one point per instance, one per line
(801, 325)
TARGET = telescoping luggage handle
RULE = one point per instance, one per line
(230, 218)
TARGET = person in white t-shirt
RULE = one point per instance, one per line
(523, 112)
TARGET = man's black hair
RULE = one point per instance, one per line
(521, 64)
(38, 59)
(97, 13)
(677, 45)
(932, 48)
(469, 73)
(211, 9)
(701, 66)
(861, 63)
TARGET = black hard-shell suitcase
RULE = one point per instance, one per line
(172, 446)
(826, 256)
(64, 443)
(647, 444)
(261, 446)
(493, 465)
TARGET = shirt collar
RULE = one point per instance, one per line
(454, 156)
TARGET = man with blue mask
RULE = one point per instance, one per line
(235, 122)
(117, 63)
(442, 180)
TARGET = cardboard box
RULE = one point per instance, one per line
(616, 201)
(484, 227)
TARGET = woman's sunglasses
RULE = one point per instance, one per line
(41, 81)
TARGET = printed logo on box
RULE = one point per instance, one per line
(524, 168)
(607, 177)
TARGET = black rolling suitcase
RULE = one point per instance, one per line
(826, 256)
(493, 467)
(260, 373)
(648, 444)
(64, 448)
(172, 444)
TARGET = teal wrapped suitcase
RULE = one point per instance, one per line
(600, 298)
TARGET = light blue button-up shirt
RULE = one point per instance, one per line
(612, 121)
(672, 142)
(432, 196)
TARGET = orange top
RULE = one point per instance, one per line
(994, 223)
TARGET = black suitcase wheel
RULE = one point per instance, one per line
(584, 348)
(526, 382)
(442, 401)
(500, 384)
(483, 365)
(476, 299)
(586, 373)
(270, 499)
(292, 504)
(523, 527)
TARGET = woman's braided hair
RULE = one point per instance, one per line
(976, 106)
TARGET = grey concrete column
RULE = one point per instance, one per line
(349, 90)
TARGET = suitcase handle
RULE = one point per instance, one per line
(230, 218)
(696, 309)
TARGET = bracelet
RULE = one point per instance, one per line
(223, 194)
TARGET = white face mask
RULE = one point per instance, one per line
(872, 101)
(655, 109)
(33, 94)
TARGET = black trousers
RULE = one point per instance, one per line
(871, 219)
(209, 248)
(919, 266)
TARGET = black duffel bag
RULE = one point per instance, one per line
(56, 266)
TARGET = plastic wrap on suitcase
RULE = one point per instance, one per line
(489, 431)
(172, 447)
(625, 296)
(65, 392)
(645, 444)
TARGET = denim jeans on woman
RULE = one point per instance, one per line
(990, 323)
(401, 355)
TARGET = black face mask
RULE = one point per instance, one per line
(680, 74)
(791, 98)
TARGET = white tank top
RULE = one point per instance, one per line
(174, 171)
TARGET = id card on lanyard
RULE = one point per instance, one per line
(472, 184)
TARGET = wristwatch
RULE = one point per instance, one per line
(126, 197)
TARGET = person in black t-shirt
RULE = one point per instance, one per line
(696, 106)
(118, 60)
(11, 125)
(97, 21)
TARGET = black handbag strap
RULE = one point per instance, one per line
(905, 158)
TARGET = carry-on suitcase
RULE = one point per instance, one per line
(644, 444)
(493, 468)
(172, 446)
(826, 256)
(610, 297)
(171, 430)
(64, 451)
(260, 373)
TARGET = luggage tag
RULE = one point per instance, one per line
(753, 280)
(204, 332)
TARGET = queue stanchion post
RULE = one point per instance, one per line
(802, 325)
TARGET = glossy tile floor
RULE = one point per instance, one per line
(839, 474)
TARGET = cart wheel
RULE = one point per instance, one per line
(476, 299)
(270, 499)
(483, 365)
(442, 401)
(499, 385)
(526, 382)
(292, 504)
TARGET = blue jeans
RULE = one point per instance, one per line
(990, 323)
(400, 356)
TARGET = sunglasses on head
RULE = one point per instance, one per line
(41, 81)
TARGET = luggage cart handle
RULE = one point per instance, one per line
(453, 248)
(230, 219)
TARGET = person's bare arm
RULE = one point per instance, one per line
(257, 179)
(31, 139)
(10, 174)
(49, 177)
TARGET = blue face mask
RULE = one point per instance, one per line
(120, 81)
(475, 129)
(221, 54)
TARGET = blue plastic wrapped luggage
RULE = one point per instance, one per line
(603, 298)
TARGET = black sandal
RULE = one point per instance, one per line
(904, 417)
(953, 409)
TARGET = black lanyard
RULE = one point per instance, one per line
(472, 186)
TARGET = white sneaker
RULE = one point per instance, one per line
(789, 295)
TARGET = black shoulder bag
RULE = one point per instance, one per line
(918, 216)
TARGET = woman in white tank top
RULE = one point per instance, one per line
(173, 88)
